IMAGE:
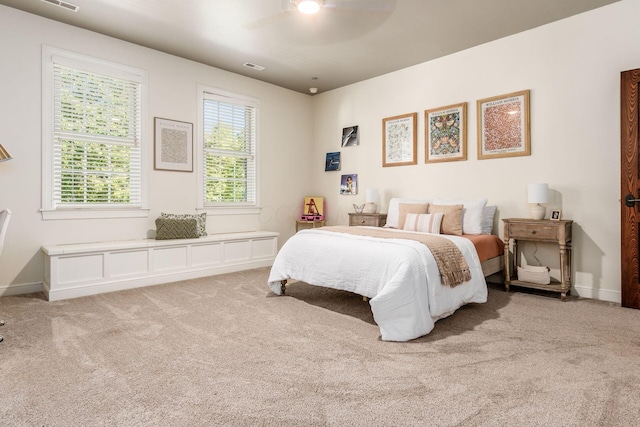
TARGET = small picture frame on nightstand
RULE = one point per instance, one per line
(556, 215)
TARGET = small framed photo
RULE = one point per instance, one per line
(556, 215)
(349, 184)
(332, 162)
(350, 136)
(173, 145)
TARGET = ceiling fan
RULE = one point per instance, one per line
(312, 7)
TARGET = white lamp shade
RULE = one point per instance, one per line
(372, 195)
(538, 193)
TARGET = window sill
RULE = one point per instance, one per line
(93, 213)
(231, 210)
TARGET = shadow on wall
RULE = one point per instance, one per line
(584, 263)
(26, 275)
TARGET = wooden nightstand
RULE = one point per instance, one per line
(542, 230)
(301, 224)
(371, 219)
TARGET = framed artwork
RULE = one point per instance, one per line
(556, 215)
(349, 184)
(399, 140)
(503, 126)
(332, 162)
(173, 145)
(350, 136)
(446, 133)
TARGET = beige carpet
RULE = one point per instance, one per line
(225, 351)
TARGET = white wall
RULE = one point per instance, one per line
(572, 68)
(173, 95)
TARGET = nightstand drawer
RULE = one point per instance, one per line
(364, 220)
(372, 220)
(540, 232)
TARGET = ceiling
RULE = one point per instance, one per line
(346, 42)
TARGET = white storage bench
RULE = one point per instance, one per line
(75, 270)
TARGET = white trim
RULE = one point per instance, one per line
(93, 213)
(599, 294)
(24, 288)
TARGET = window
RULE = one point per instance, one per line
(227, 138)
(92, 139)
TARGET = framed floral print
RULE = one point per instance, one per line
(399, 140)
(445, 133)
(503, 126)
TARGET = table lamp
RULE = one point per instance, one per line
(371, 201)
(536, 194)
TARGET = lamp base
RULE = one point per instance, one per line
(370, 207)
(537, 211)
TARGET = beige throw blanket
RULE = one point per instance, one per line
(451, 263)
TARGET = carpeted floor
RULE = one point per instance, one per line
(225, 351)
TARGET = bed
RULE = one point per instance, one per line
(393, 268)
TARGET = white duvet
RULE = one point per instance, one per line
(399, 276)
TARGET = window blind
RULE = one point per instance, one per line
(229, 157)
(96, 139)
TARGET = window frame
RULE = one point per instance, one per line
(49, 210)
(239, 208)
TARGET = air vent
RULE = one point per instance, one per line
(251, 65)
(63, 4)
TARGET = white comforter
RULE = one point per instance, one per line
(399, 276)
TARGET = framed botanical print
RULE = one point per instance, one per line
(399, 140)
(503, 126)
(445, 133)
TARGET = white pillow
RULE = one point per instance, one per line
(471, 213)
(487, 219)
(426, 223)
(393, 213)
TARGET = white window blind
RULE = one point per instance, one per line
(96, 139)
(229, 151)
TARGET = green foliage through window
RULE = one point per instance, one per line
(229, 152)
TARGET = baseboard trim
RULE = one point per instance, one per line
(599, 294)
(21, 289)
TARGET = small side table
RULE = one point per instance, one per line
(302, 224)
(538, 230)
(371, 219)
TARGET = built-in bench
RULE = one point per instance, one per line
(75, 270)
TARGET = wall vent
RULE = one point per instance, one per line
(63, 4)
(254, 66)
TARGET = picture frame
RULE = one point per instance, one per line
(350, 136)
(173, 148)
(399, 140)
(504, 126)
(556, 215)
(349, 184)
(332, 161)
(445, 133)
